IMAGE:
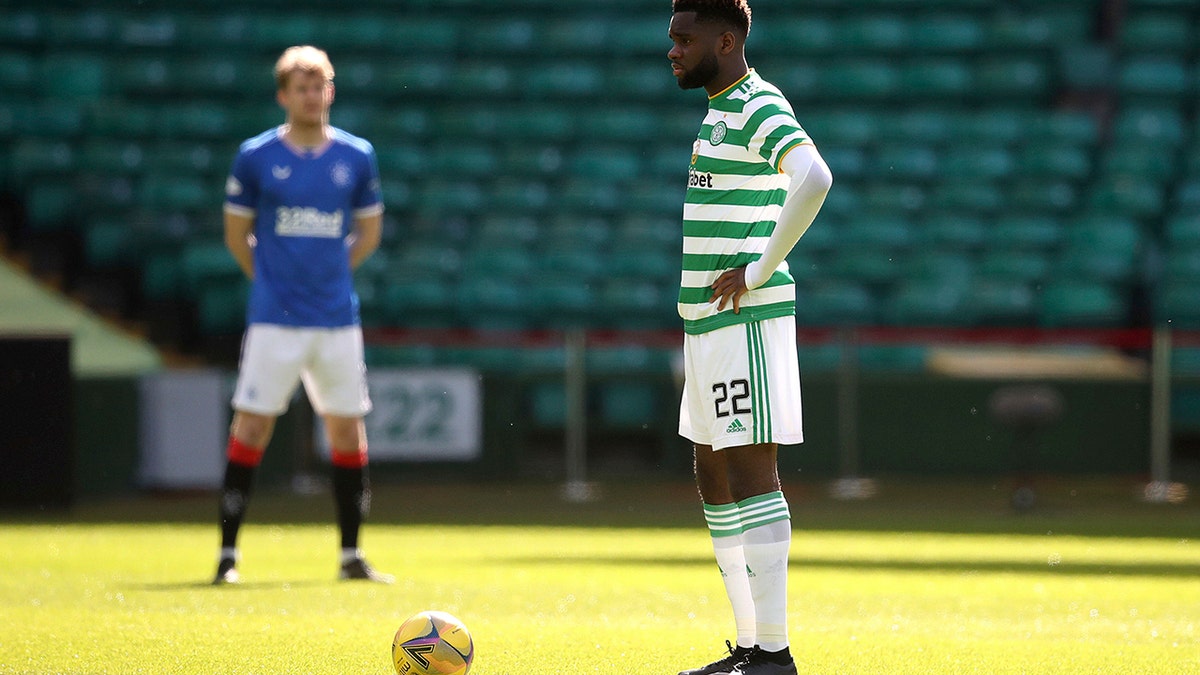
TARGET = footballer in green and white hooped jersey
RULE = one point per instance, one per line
(755, 184)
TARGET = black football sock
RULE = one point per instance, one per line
(352, 492)
(235, 494)
(781, 657)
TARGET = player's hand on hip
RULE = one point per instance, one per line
(730, 286)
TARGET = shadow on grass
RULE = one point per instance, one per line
(173, 586)
(956, 566)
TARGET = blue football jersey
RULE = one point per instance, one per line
(303, 204)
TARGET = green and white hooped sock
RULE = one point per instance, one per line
(766, 538)
(724, 524)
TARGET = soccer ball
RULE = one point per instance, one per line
(432, 643)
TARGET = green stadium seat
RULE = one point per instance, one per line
(177, 193)
(639, 35)
(107, 243)
(835, 303)
(1167, 32)
(276, 32)
(493, 303)
(635, 302)
(1014, 265)
(204, 261)
(32, 158)
(518, 229)
(629, 125)
(878, 231)
(519, 196)
(22, 28)
(1016, 32)
(873, 32)
(442, 196)
(1026, 232)
(563, 79)
(927, 303)
(936, 78)
(455, 160)
(950, 231)
(508, 262)
(501, 36)
(18, 72)
(542, 123)
(1065, 126)
(1177, 304)
(902, 162)
(155, 31)
(48, 119)
(859, 80)
(571, 34)
(73, 77)
(560, 302)
(1059, 160)
(849, 163)
(1043, 196)
(629, 405)
(846, 127)
(604, 162)
(870, 266)
(50, 206)
(978, 163)
(899, 198)
(811, 34)
(1161, 126)
(1128, 196)
(950, 267)
(653, 265)
(973, 197)
(992, 127)
(1153, 77)
(1139, 161)
(472, 79)
(417, 303)
(74, 30)
(948, 33)
(191, 121)
(1183, 230)
(1001, 303)
(111, 157)
(1007, 77)
(590, 197)
(407, 79)
(221, 307)
(1066, 303)
(656, 198)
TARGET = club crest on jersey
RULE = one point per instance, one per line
(340, 173)
(281, 172)
(719, 131)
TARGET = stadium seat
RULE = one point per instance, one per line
(1147, 77)
(1066, 303)
(87, 29)
(927, 303)
(1153, 125)
(1059, 160)
(18, 72)
(1167, 32)
(835, 303)
(946, 32)
(1014, 265)
(1018, 79)
(860, 79)
(873, 32)
(22, 28)
(936, 78)
(73, 77)
(995, 302)
(205, 261)
(1177, 304)
(950, 231)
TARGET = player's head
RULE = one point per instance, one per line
(706, 33)
(304, 84)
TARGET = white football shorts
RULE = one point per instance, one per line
(329, 361)
(742, 385)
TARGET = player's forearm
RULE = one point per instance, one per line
(810, 183)
(365, 240)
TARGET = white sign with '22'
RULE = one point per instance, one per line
(424, 415)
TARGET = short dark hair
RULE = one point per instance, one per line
(735, 13)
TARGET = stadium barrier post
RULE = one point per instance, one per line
(1160, 489)
(849, 485)
(577, 488)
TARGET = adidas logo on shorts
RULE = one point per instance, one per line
(735, 426)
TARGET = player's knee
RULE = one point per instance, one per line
(253, 430)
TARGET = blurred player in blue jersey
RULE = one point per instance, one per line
(302, 210)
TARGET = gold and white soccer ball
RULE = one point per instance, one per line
(432, 643)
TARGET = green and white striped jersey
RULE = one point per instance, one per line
(734, 196)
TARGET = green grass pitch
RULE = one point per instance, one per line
(931, 578)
